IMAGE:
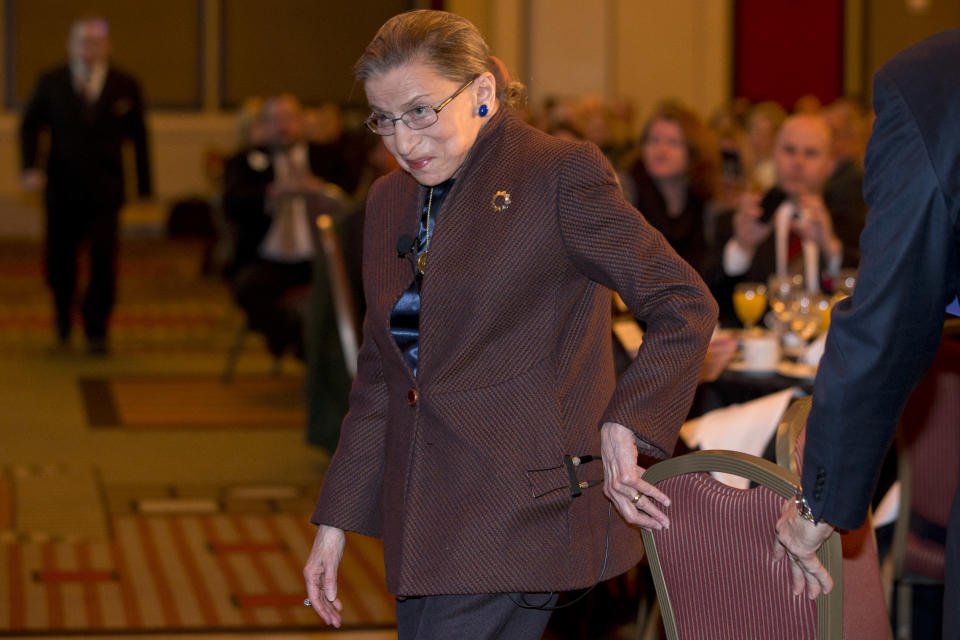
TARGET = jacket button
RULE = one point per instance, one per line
(412, 397)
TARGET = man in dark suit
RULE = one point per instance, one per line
(90, 109)
(883, 339)
(271, 196)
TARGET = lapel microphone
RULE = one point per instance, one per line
(404, 245)
(406, 249)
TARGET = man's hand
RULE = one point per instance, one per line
(816, 224)
(719, 353)
(635, 499)
(799, 539)
(748, 231)
(320, 573)
(32, 180)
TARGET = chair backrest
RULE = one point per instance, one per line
(714, 570)
(864, 605)
(343, 304)
(928, 460)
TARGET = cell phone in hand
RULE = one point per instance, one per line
(771, 202)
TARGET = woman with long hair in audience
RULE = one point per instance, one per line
(674, 176)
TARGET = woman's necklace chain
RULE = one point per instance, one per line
(422, 258)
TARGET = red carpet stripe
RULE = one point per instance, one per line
(130, 609)
(90, 600)
(74, 576)
(170, 616)
(229, 575)
(54, 595)
(18, 607)
(246, 547)
(269, 582)
(190, 566)
(281, 601)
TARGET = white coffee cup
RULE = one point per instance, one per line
(761, 352)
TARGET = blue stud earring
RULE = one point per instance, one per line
(482, 111)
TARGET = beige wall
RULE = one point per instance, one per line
(646, 50)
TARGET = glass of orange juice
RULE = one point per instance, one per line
(750, 302)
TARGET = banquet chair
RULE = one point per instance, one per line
(713, 568)
(329, 265)
(864, 606)
(928, 465)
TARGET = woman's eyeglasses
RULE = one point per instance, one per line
(420, 117)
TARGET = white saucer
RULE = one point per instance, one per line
(742, 367)
(797, 370)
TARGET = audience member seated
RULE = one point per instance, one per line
(730, 138)
(763, 122)
(800, 235)
(673, 177)
(271, 195)
(844, 188)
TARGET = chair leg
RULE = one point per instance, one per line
(234, 354)
(653, 630)
(904, 605)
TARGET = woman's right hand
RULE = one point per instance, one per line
(320, 573)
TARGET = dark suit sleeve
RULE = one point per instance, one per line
(138, 135)
(883, 339)
(611, 243)
(35, 116)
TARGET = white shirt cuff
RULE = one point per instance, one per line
(736, 261)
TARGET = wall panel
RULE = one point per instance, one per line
(303, 47)
(894, 25)
(159, 41)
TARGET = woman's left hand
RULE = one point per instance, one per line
(637, 501)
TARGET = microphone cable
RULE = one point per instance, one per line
(524, 604)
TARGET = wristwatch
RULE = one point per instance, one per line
(803, 509)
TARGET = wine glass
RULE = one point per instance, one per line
(845, 281)
(750, 303)
(807, 312)
(780, 289)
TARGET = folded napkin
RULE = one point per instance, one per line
(745, 427)
(813, 352)
(889, 507)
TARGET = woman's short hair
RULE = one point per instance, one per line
(451, 44)
(704, 169)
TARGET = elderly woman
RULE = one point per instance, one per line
(674, 177)
(485, 382)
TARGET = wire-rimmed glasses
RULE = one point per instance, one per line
(419, 117)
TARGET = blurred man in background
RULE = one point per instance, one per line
(90, 109)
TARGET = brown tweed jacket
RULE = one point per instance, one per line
(454, 469)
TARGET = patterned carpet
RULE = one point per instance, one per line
(175, 503)
(174, 558)
(163, 301)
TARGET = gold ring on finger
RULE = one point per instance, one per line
(636, 498)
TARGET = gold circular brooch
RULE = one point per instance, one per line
(501, 200)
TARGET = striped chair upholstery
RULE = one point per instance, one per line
(928, 460)
(714, 570)
(864, 606)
